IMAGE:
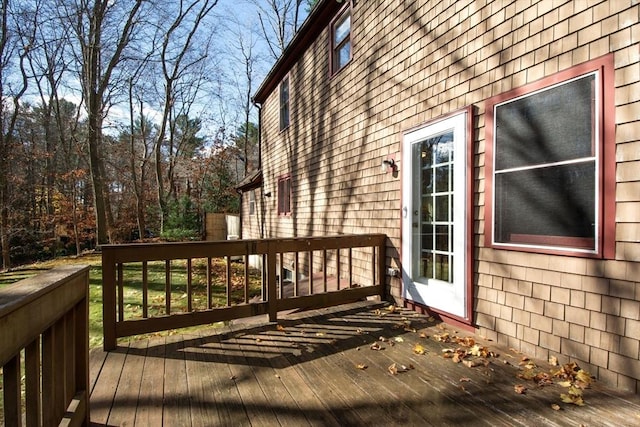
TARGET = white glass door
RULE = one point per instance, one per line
(434, 215)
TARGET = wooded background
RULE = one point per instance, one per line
(123, 119)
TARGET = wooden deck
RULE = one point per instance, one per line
(318, 368)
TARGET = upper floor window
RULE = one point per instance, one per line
(284, 103)
(550, 164)
(284, 195)
(252, 202)
(341, 41)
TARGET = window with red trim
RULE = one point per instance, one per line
(341, 41)
(549, 164)
(284, 104)
(284, 195)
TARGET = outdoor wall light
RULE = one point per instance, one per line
(388, 165)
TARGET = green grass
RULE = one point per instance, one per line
(132, 274)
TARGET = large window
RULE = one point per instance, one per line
(547, 163)
(284, 195)
(284, 103)
(341, 41)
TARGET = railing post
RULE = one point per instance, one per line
(108, 300)
(272, 283)
(382, 263)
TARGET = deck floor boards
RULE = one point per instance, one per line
(304, 371)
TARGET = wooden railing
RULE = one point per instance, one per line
(44, 349)
(154, 287)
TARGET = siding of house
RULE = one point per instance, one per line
(414, 61)
(251, 221)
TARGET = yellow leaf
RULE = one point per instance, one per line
(418, 349)
(553, 361)
(361, 366)
(399, 339)
(391, 308)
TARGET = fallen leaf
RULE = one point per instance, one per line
(376, 346)
(418, 349)
(520, 389)
(362, 367)
(280, 328)
(320, 334)
(393, 369)
(472, 363)
(391, 308)
(553, 361)
(399, 339)
(423, 335)
(555, 407)
(465, 380)
(359, 331)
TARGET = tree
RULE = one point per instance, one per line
(279, 20)
(103, 29)
(11, 93)
(182, 71)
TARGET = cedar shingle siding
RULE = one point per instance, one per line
(414, 61)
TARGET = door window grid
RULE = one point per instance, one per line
(436, 228)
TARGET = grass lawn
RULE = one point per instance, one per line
(156, 280)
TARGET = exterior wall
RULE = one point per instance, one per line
(250, 228)
(414, 61)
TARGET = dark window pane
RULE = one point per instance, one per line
(442, 208)
(550, 126)
(550, 201)
(427, 237)
(442, 178)
(427, 265)
(442, 237)
(442, 267)
(427, 209)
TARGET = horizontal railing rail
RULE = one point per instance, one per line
(44, 349)
(160, 286)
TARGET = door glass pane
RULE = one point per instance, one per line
(442, 267)
(442, 208)
(433, 218)
(442, 178)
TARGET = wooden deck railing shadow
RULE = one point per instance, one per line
(44, 349)
(323, 271)
(294, 340)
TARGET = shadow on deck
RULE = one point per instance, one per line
(318, 368)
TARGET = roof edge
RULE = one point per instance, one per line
(315, 23)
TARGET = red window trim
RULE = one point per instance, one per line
(283, 212)
(333, 70)
(606, 210)
(284, 126)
